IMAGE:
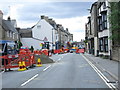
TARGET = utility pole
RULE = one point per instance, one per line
(52, 38)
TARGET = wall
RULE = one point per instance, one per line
(43, 29)
(32, 42)
(116, 53)
(1, 32)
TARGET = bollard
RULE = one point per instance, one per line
(39, 64)
(20, 67)
(24, 66)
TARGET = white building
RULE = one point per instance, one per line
(42, 35)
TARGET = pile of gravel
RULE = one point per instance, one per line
(44, 59)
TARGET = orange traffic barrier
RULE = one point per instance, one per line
(80, 51)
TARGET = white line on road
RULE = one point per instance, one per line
(100, 74)
(29, 80)
(2, 72)
(59, 59)
(47, 68)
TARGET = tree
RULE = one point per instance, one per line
(114, 19)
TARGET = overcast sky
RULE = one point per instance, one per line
(72, 15)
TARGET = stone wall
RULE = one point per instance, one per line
(116, 53)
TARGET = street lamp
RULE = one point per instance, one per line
(52, 37)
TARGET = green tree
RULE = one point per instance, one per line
(114, 19)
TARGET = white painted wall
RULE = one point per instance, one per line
(31, 42)
(103, 33)
(43, 29)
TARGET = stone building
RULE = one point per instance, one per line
(91, 31)
(7, 29)
(99, 30)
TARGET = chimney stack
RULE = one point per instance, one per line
(9, 19)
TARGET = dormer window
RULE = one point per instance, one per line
(39, 26)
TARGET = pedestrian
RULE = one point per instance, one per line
(32, 49)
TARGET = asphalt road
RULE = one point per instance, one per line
(69, 71)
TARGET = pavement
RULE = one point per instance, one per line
(107, 66)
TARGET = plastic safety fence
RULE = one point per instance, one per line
(12, 61)
(80, 51)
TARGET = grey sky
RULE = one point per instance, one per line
(30, 12)
(55, 10)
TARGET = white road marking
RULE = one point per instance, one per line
(47, 68)
(2, 72)
(59, 59)
(29, 80)
(100, 74)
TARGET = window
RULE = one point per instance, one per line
(104, 5)
(100, 23)
(8, 34)
(39, 26)
(106, 44)
(13, 35)
(17, 36)
(99, 10)
(104, 20)
(101, 44)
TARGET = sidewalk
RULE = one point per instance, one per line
(106, 65)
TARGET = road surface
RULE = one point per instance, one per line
(69, 71)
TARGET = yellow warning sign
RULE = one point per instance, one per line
(41, 44)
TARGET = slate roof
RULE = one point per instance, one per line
(7, 25)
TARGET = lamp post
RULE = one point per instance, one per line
(52, 38)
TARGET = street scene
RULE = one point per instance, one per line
(60, 45)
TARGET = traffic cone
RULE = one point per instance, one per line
(24, 66)
(39, 64)
(20, 67)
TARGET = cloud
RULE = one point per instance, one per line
(72, 15)
(28, 1)
(31, 11)
(78, 36)
(75, 25)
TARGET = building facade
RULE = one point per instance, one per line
(98, 30)
(46, 34)
(7, 29)
(103, 29)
